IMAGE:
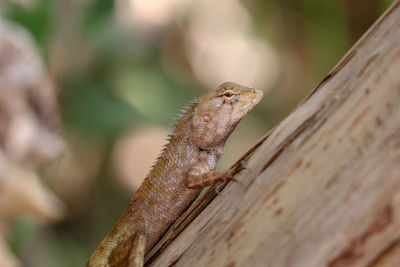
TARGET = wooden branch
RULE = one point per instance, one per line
(323, 188)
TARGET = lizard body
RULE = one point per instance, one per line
(186, 164)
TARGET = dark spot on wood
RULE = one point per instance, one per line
(355, 249)
(273, 191)
(232, 234)
(171, 264)
(393, 140)
(215, 235)
(378, 121)
(298, 163)
(354, 187)
(212, 253)
(315, 144)
(329, 183)
(325, 147)
(367, 91)
(389, 107)
(308, 164)
(358, 118)
(368, 139)
(383, 220)
(278, 212)
(353, 140)
(239, 226)
(231, 264)
(317, 125)
(347, 258)
(275, 200)
(228, 238)
(201, 254)
(391, 250)
(332, 181)
(359, 151)
(367, 64)
(379, 77)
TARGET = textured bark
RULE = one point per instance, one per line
(323, 187)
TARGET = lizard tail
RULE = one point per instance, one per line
(116, 247)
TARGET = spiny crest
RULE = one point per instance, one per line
(180, 119)
(176, 127)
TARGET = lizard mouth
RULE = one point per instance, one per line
(255, 99)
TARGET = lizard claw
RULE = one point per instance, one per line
(243, 164)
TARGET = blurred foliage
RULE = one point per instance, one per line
(38, 21)
(112, 78)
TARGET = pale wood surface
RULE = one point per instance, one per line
(324, 188)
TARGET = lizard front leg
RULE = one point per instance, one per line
(200, 176)
(194, 181)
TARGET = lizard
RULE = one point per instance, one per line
(186, 165)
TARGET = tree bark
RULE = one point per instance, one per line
(323, 187)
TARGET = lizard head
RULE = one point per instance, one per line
(218, 112)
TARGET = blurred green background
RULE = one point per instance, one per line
(124, 69)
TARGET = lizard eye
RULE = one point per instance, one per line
(228, 94)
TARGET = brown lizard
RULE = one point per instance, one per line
(186, 165)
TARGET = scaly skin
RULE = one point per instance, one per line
(186, 164)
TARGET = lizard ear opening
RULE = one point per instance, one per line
(207, 118)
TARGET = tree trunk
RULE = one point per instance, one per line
(323, 187)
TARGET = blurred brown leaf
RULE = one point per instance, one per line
(28, 134)
(28, 106)
(22, 194)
